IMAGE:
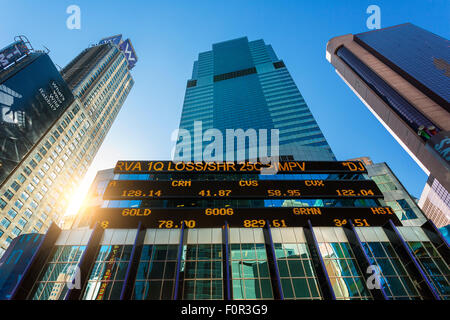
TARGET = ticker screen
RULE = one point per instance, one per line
(242, 189)
(239, 167)
(175, 218)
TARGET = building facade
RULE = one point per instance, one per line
(312, 231)
(394, 193)
(401, 74)
(180, 230)
(40, 187)
(242, 84)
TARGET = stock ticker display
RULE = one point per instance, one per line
(240, 188)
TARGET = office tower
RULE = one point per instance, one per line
(242, 84)
(54, 146)
(395, 195)
(401, 74)
(224, 230)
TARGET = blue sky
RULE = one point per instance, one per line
(168, 35)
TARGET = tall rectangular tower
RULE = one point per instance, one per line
(56, 146)
(401, 73)
(243, 85)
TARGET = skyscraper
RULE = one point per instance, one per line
(54, 147)
(242, 84)
(401, 73)
(224, 230)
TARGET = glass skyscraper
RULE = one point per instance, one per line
(242, 84)
(401, 73)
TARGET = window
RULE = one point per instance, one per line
(296, 271)
(39, 224)
(45, 166)
(22, 222)
(24, 196)
(156, 273)
(36, 180)
(12, 213)
(7, 241)
(108, 274)
(5, 223)
(38, 157)
(52, 280)
(21, 178)
(33, 164)
(33, 204)
(434, 266)
(202, 272)
(16, 231)
(8, 194)
(18, 204)
(2, 203)
(343, 271)
(28, 213)
(27, 171)
(15, 186)
(395, 280)
(250, 271)
(30, 188)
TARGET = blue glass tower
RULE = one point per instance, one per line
(243, 85)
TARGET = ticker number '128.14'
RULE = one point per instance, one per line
(140, 193)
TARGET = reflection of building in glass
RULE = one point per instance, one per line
(401, 75)
(43, 173)
(395, 195)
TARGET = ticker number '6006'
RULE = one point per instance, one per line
(139, 212)
(219, 211)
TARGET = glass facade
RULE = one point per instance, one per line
(202, 271)
(156, 273)
(60, 269)
(108, 273)
(250, 272)
(246, 78)
(298, 280)
(419, 54)
(410, 115)
(434, 266)
(395, 280)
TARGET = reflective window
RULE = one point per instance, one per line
(395, 280)
(60, 269)
(250, 272)
(343, 271)
(108, 273)
(156, 273)
(202, 270)
(434, 266)
(296, 271)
